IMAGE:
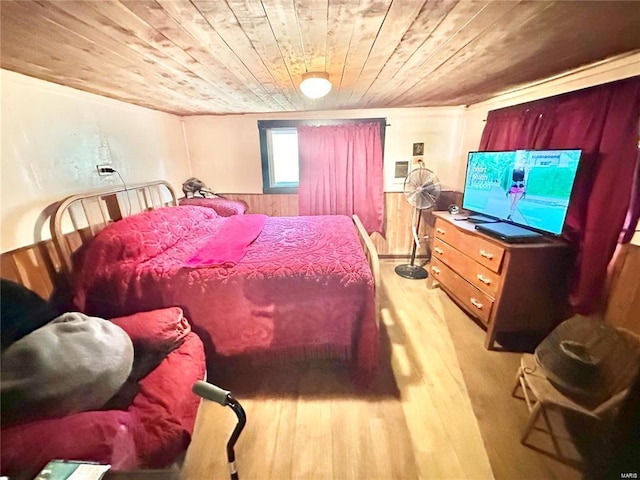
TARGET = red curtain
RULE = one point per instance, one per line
(341, 172)
(603, 122)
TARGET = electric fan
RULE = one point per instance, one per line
(421, 190)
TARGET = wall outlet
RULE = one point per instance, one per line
(104, 170)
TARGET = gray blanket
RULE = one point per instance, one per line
(72, 364)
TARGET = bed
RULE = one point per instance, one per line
(303, 288)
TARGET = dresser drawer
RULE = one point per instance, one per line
(477, 248)
(479, 275)
(477, 303)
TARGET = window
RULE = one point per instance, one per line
(283, 157)
(279, 151)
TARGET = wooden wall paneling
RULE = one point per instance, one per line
(34, 266)
(397, 239)
(623, 301)
(274, 205)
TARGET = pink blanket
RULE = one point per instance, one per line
(230, 243)
(302, 290)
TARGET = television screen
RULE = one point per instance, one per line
(525, 187)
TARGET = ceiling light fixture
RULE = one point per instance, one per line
(315, 84)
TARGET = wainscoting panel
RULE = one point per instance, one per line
(623, 302)
(396, 240)
(280, 205)
(35, 266)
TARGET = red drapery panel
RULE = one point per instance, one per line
(341, 172)
(603, 122)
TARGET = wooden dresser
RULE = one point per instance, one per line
(510, 288)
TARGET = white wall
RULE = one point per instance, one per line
(51, 139)
(225, 150)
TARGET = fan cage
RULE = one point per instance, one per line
(422, 188)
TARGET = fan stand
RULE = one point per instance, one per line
(411, 271)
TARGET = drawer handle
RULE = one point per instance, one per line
(486, 254)
(435, 270)
(483, 279)
(438, 250)
(476, 303)
(441, 231)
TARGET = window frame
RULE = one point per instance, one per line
(265, 125)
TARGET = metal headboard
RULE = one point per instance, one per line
(79, 218)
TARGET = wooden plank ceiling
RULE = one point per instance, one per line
(246, 56)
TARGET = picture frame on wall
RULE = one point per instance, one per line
(418, 149)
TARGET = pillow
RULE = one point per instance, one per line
(72, 364)
(143, 236)
(223, 206)
(154, 335)
(22, 312)
(103, 437)
(156, 330)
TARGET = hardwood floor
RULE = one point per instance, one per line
(441, 407)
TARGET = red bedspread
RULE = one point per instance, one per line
(303, 289)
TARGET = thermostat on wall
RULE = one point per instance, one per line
(402, 169)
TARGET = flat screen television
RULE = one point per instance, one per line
(530, 188)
